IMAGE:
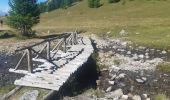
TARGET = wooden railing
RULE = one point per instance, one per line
(67, 38)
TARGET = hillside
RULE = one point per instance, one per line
(149, 18)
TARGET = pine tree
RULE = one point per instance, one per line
(23, 15)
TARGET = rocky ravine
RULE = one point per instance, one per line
(128, 73)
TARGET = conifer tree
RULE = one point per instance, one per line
(23, 15)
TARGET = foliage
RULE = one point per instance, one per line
(7, 88)
(160, 97)
(23, 15)
(55, 4)
(94, 3)
(6, 34)
(165, 67)
(42, 7)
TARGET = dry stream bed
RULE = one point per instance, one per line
(126, 72)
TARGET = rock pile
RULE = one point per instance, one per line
(126, 68)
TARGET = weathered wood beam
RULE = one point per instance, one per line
(43, 57)
(41, 51)
(48, 50)
(30, 63)
(65, 45)
(51, 39)
(58, 44)
(17, 66)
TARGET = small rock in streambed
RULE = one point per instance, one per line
(111, 82)
(144, 96)
(124, 97)
(164, 52)
(148, 98)
(129, 53)
(115, 94)
(136, 97)
(113, 77)
(141, 56)
(109, 89)
(114, 68)
(122, 75)
(123, 32)
(140, 80)
(144, 78)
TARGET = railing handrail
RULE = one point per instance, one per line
(63, 35)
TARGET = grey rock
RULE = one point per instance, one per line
(31, 95)
(144, 78)
(164, 52)
(136, 97)
(141, 56)
(115, 94)
(125, 97)
(131, 88)
(122, 75)
(109, 89)
(146, 54)
(123, 32)
(113, 77)
(111, 82)
(122, 84)
(144, 96)
(129, 52)
(139, 80)
(148, 98)
(115, 68)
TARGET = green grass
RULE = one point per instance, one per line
(161, 97)
(165, 67)
(7, 88)
(42, 93)
(150, 18)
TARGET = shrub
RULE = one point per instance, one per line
(6, 34)
(113, 1)
(94, 3)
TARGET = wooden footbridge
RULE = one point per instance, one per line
(51, 66)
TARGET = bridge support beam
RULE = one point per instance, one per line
(65, 45)
(30, 63)
(48, 50)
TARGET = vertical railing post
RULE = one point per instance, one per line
(76, 40)
(30, 63)
(48, 51)
(72, 39)
(65, 45)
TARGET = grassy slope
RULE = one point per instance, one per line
(150, 18)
